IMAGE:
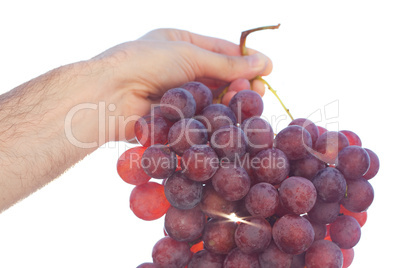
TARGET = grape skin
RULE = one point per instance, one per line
(150, 130)
(229, 143)
(201, 94)
(298, 261)
(238, 259)
(297, 194)
(271, 166)
(253, 235)
(214, 205)
(329, 144)
(170, 253)
(215, 116)
(324, 253)
(182, 192)
(353, 161)
(308, 125)
(158, 161)
(262, 200)
(293, 234)
(206, 259)
(320, 230)
(352, 137)
(330, 185)
(374, 165)
(218, 236)
(199, 163)
(177, 103)
(232, 182)
(348, 255)
(306, 167)
(259, 133)
(148, 201)
(245, 162)
(294, 141)
(321, 130)
(129, 166)
(323, 212)
(186, 133)
(360, 195)
(345, 232)
(245, 104)
(273, 257)
(184, 225)
(361, 217)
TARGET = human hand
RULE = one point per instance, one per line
(143, 70)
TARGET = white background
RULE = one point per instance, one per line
(347, 53)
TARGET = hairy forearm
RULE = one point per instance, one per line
(42, 133)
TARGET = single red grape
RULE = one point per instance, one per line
(129, 166)
(273, 257)
(330, 185)
(184, 225)
(150, 130)
(353, 161)
(271, 166)
(201, 94)
(159, 161)
(324, 253)
(229, 143)
(374, 165)
(218, 236)
(186, 133)
(328, 145)
(348, 255)
(246, 104)
(294, 141)
(297, 194)
(352, 137)
(308, 125)
(253, 235)
(293, 234)
(148, 201)
(259, 134)
(182, 192)
(262, 200)
(345, 231)
(199, 162)
(177, 103)
(170, 253)
(360, 195)
(231, 181)
(214, 205)
(206, 259)
(215, 116)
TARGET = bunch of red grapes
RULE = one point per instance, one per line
(233, 194)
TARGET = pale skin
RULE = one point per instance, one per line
(35, 146)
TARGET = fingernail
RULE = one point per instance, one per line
(257, 61)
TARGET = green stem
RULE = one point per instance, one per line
(276, 95)
(243, 51)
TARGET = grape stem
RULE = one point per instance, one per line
(244, 52)
(276, 95)
(244, 35)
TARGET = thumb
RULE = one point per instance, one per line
(228, 68)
